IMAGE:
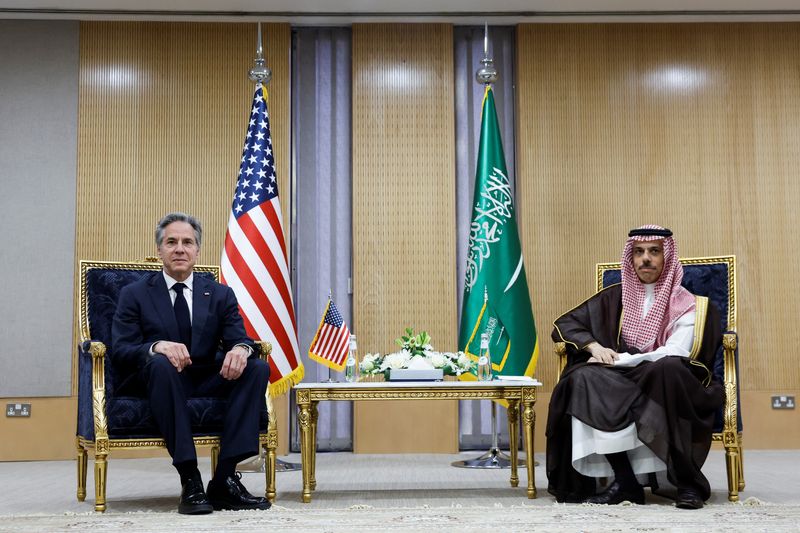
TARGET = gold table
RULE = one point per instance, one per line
(520, 396)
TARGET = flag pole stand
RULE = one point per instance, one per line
(329, 380)
(259, 464)
(492, 459)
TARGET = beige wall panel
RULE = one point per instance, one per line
(163, 112)
(406, 427)
(403, 212)
(49, 433)
(692, 126)
(768, 428)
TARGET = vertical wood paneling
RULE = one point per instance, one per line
(403, 214)
(691, 126)
(163, 111)
(162, 115)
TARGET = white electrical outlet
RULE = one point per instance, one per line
(783, 402)
(18, 410)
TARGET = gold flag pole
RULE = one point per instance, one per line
(494, 458)
(261, 74)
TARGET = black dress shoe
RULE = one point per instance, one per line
(688, 499)
(193, 498)
(229, 493)
(615, 494)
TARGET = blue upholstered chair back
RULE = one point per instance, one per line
(713, 277)
(103, 285)
(128, 417)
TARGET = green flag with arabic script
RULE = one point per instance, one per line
(496, 298)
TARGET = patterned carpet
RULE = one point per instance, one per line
(389, 493)
(751, 515)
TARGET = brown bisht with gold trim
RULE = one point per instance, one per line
(673, 406)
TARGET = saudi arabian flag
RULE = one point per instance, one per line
(496, 299)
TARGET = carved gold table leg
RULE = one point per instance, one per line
(529, 422)
(81, 473)
(314, 418)
(513, 439)
(306, 443)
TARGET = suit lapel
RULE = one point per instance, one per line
(201, 299)
(159, 295)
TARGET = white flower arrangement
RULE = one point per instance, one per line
(416, 352)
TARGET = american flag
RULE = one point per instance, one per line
(331, 342)
(254, 262)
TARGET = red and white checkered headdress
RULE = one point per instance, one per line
(671, 300)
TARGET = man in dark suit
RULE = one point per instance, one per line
(181, 335)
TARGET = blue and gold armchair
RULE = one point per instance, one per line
(714, 278)
(107, 421)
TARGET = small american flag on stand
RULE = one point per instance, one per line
(332, 340)
(254, 262)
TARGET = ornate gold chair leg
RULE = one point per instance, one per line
(214, 458)
(741, 463)
(732, 460)
(100, 466)
(81, 472)
(272, 461)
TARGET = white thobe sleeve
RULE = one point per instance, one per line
(679, 343)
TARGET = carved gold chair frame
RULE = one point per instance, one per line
(730, 436)
(102, 445)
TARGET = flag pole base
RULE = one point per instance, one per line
(259, 464)
(493, 459)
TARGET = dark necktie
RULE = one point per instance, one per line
(182, 316)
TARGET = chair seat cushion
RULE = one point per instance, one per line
(130, 417)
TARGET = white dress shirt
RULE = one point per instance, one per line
(188, 291)
(187, 294)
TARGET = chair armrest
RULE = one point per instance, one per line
(264, 349)
(98, 352)
(730, 341)
(561, 352)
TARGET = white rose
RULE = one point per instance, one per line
(368, 362)
(463, 360)
(437, 359)
(396, 360)
(420, 363)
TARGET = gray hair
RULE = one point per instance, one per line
(177, 216)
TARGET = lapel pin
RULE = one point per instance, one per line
(206, 294)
